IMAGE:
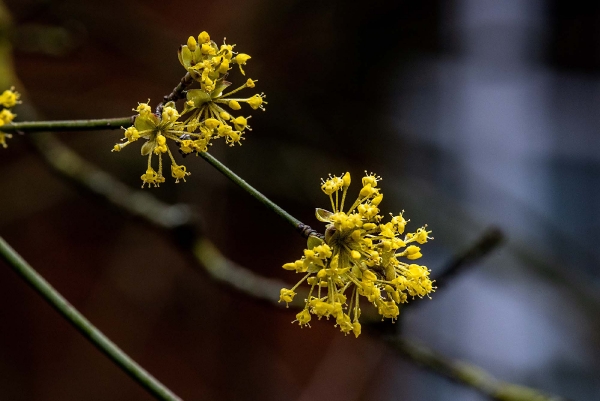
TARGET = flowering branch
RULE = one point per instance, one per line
(87, 329)
(71, 166)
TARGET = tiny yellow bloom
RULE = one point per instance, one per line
(241, 59)
(9, 98)
(234, 137)
(178, 172)
(256, 102)
(3, 137)
(303, 318)
(204, 37)
(286, 296)
(191, 43)
(132, 134)
(240, 123)
(234, 105)
(206, 48)
(151, 177)
(6, 116)
(212, 123)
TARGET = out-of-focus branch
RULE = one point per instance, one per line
(84, 326)
(142, 204)
(71, 166)
(466, 373)
(488, 241)
(238, 277)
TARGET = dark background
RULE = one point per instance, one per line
(475, 112)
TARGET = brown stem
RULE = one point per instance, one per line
(177, 92)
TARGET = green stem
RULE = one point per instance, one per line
(68, 125)
(86, 328)
(250, 189)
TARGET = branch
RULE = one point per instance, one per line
(466, 374)
(226, 272)
(68, 125)
(87, 329)
(177, 93)
(488, 241)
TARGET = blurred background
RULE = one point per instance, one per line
(475, 112)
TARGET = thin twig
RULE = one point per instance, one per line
(68, 125)
(302, 228)
(87, 329)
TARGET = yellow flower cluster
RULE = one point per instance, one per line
(203, 117)
(359, 256)
(8, 99)
(156, 130)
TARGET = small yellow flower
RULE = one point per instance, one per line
(286, 295)
(151, 177)
(234, 105)
(303, 318)
(256, 102)
(178, 172)
(241, 60)
(203, 37)
(6, 116)
(359, 256)
(8, 99)
(191, 43)
(3, 137)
